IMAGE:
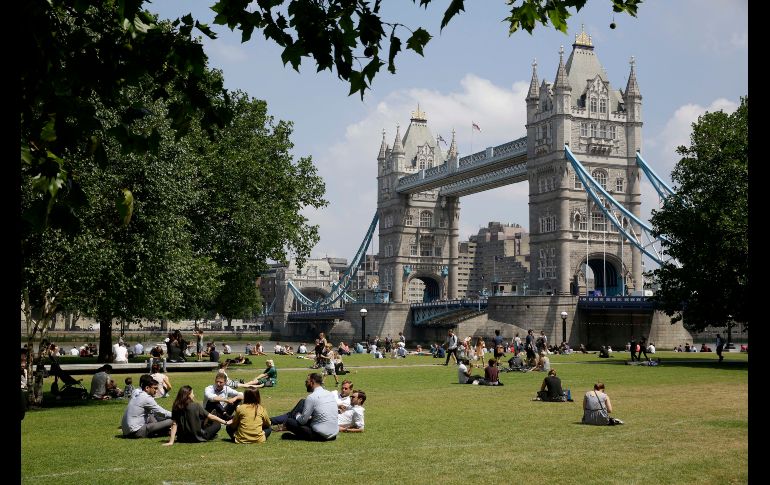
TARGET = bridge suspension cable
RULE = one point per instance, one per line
(339, 288)
(268, 310)
(661, 187)
(645, 241)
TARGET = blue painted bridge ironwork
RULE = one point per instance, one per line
(314, 315)
(446, 313)
(615, 302)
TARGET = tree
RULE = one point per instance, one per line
(254, 195)
(104, 266)
(75, 51)
(706, 224)
(348, 35)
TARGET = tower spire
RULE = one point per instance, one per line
(383, 148)
(452, 147)
(533, 88)
(632, 88)
(561, 73)
(582, 39)
(398, 147)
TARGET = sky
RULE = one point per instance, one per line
(691, 57)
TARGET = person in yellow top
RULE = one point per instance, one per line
(251, 422)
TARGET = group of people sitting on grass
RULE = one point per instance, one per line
(491, 374)
(318, 417)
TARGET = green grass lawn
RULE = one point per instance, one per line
(686, 422)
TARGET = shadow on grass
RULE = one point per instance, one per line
(680, 362)
(50, 401)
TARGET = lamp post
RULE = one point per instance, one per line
(563, 326)
(363, 313)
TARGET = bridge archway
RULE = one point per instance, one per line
(603, 274)
(422, 288)
(312, 292)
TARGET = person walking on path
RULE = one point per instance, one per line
(632, 348)
(451, 346)
(199, 344)
(642, 349)
(720, 346)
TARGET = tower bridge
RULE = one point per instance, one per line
(580, 159)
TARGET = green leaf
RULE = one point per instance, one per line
(418, 40)
(357, 83)
(48, 133)
(395, 46)
(206, 30)
(559, 18)
(454, 8)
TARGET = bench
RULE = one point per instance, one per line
(133, 367)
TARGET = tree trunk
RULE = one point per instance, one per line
(105, 337)
(37, 329)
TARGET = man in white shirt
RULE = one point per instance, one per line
(451, 346)
(138, 349)
(400, 350)
(302, 349)
(343, 396)
(220, 399)
(352, 420)
(464, 373)
(121, 354)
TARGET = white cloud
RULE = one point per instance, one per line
(677, 132)
(662, 156)
(349, 166)
(222, 52)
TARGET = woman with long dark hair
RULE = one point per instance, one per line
(251, 422)
(188, 417)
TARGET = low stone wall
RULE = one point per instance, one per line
(511, 315)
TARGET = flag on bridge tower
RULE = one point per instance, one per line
(441, 139)
(475, 126)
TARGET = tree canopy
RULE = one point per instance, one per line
(706, 224)
(351, 37)
(207, 209)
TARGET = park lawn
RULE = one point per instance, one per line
(686, 422)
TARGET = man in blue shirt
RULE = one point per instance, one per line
(313, 418)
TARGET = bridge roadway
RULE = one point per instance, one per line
(488, 169)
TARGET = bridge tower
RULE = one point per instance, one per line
(418, 233)
(603, 127)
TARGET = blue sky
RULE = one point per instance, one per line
(691, 57)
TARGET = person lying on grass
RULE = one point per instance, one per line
(352, 420)
(268, 378)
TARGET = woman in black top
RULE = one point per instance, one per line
(188, 416)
